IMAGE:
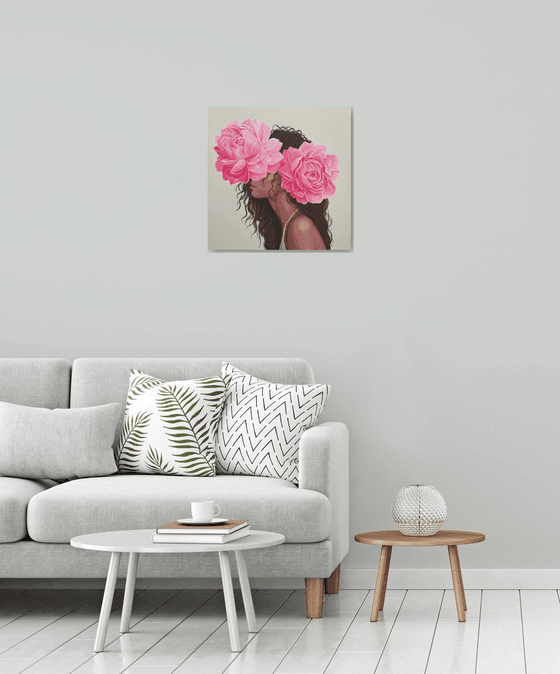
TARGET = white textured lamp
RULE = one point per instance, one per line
(419, 510)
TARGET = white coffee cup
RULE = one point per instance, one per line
(204, 511)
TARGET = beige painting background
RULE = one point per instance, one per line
(323, 126)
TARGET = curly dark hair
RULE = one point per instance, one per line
(260, 214)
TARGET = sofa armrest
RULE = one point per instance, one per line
(324, 467)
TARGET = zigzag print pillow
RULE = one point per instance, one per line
(169, 427)
(262, 423)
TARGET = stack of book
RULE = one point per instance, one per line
(175, 532)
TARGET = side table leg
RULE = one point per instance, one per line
(457, 582)
(231, 613)
(107, 602)
(129, 592)
(381, 583)
(385, 577)
(246, 591)
(461, 582)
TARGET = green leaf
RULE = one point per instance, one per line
(193, 463)
(213, 391)
(184, 418)
(133, 435)
(139, 384)
(155, 463)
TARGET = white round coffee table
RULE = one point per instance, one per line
(140, 541)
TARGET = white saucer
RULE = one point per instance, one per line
(214, 522)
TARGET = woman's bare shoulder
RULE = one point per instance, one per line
(303, 234)
(303, 223)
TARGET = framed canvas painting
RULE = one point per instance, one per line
(279, 179)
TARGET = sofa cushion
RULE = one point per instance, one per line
(60, 444)
(15, 494)
(35, 382)
(97, 381)
(135, 501)
(169, 426)
(262, 423)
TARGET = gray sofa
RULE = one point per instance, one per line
(39, 517)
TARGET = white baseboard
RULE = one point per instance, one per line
(440, 579)
(350, 579)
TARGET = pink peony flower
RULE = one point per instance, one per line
(308, 173)
(245, 152)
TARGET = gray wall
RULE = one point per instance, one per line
(439, 332)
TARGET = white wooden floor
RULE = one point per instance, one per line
(507, 632)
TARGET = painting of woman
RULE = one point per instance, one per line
(283, 183)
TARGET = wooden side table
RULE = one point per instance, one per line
(387, 539)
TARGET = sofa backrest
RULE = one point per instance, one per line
(35, 382)
(97, 381)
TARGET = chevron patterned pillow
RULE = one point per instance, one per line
(169, 427)
(262, 423)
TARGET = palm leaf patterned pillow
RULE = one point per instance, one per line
(169, 427)
(262, 423)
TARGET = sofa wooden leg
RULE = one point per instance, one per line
(314, 591)
(332, 581)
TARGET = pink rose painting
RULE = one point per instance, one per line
(245, 152)
(309, 173)
(287, 185)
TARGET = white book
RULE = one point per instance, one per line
(200, 538)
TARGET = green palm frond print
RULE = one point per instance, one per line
(139, 384)
(212, 390)
(197, 464)
(186, 426)
(157, 464)
(133, 434)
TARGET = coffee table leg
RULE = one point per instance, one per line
(381, 583)
(231, 612)
(457, 582)
(107, 602)
(246, 591)
(129, 591)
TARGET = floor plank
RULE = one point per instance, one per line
(292, 615)
(9, 614)
(500, 644)
(56, 606)
(14, 666)
(454, 646)
(78, 650)
(185, 632)
(346, 601)
(410, 640)
(189, 635)
(541, 630)
(150, 670)
(363, 643)
(146, 603)
(57, 632)
(265, 652)
(214, 655)
(126, 650)
(367, 637)
(353, 663)
(181, 605)
(14, 603)
(313, 651)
